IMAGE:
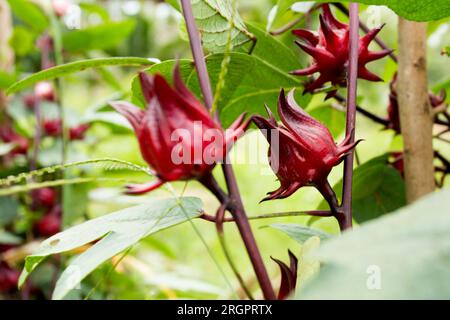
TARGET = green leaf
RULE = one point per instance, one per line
(117, 232)
(404, 255)
(446, 51)
(377, 189)
(72, 67)
(250, 82)
(334, 119)
(6, 80)
(175, 4)
(8, 210)
(423, 10)
(104, 36)
(300, 233)
(22, 41)
(9, 238)
(95, 9)
(216, 19)
(29, 13)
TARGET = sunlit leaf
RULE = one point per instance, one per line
(404, 255)
(423, 10)
(77, 66)
(115, 233)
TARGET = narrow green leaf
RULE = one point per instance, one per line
(9, 238)
(422, 10)
(104, 36)
(77, 66)
(117, 231)
(300, 233)
(30, 13)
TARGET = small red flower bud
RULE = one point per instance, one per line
(8, 278)
(44, 91)
(330, 51)
(50, 223)
(30, 101)
(52, 127)
(44, 197)
(288, 276)
(61, 7)
(302, 152)
(178, 137)
(78, 132)
(8, 135)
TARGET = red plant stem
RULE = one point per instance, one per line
(366, 29)
(351, 116)
(238, 211)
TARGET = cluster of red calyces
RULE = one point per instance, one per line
(53, 128)
(330, 50)
(19, 143)
(45, 200)
(302, 151)
(8, 278)
(177, 136)
(436, 102)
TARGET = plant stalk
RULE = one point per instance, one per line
(416, 116)
(351, 115)
(238, 210)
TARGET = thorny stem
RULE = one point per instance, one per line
(346, 222)
(366, 29)
(237, 208)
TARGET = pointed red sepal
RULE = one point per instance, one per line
(307, 35)
(147, 86)
(139, 189)
(329, 17)
(306, 72)
(288, 276)
(133, 114)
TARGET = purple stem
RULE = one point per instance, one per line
(351, 116)
(197, 53)
(238, 210)
(37, 136)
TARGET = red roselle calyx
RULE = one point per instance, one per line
(330, 51)
(50, 223)
(288, 276)
(302, 151)
(44, 197)
(177, 136)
